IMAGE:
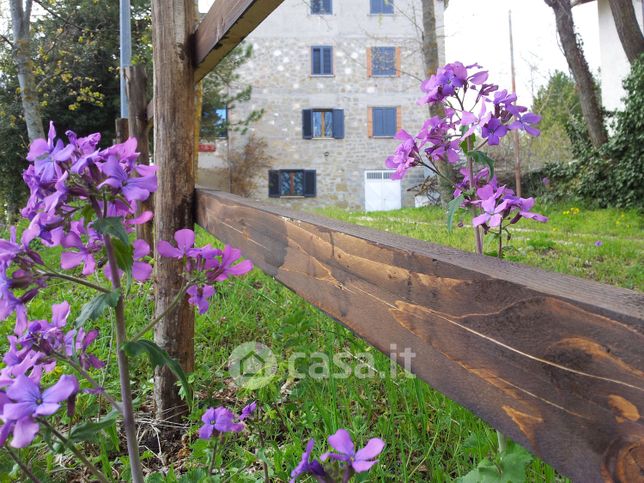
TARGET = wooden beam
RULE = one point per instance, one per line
(224, 27)
(553, 361)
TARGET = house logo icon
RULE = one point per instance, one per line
(252, 365)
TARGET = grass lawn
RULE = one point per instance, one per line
(429, 438)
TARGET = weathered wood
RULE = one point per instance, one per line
(224, 27)
(120, 129)
(174, 156)
(553, 361)
(136, 84)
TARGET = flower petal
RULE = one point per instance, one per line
(341, 441)
(371, 450)
(24, 432)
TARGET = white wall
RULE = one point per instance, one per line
(614, 64)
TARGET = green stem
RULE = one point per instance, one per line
(93, 469)
(79, 281)
(502, 440)
(115, 404)
(470, 169)
(25, 469)
(175, 302)
(211, 466)
(500, 252)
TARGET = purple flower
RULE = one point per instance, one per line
(83, 255)
(405, 155)
(218, 420)
(185, 241)
(361, 460)
(526, 123)
(494, 130)
(132, 188)
(228, 267)
(524, 205)
(141, 270)
(599, 243)
(493, 213)
(248, 410)
(27, 402)
(199, 297)
(306, 465)
(546, 181)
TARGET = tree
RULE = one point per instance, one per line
(431, 60)
(588, 95)
(21, 27)
(627, 27)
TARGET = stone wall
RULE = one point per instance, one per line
(280, 73)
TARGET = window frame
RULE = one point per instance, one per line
(384, 5)
(321, 49)
(394, 72)
(322, 10)
(307, 191)
(322, 123)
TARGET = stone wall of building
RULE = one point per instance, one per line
(280, 73)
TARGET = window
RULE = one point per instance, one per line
(321, 7)
(221, 122)
(384, 121)
(323, 123)
(321, 61)
(384, 61)
(382, 6)
(291, 182)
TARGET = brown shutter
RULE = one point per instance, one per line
(397, 61)
(398, 118)
(370, 122)
(368, 61)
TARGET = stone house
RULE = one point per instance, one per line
(336, 80)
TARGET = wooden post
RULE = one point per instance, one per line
(174, 102)
(121, 129)
(136, 85)
(515, 134)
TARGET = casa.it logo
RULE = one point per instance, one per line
(252, 365)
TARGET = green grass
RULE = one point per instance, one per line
(429, 438)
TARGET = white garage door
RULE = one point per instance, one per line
(380, 192)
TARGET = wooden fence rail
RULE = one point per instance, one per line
(553, 361)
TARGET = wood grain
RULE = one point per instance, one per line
(553, 361)
(225, 26)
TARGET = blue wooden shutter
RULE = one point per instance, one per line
(328, 7)
(378, 122)
(310, 188)
(316, 60)
(307, 123)
(327, 66)
(274, 183)
(390, 121)
(375, 4)
(338, 123)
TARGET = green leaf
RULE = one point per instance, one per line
(482, 158)
(124, 254)
(94, 308)
(509, 467)
(113, 227)
(90, 431)
(159, 357)
(452, 206)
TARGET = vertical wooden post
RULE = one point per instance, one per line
(174, 122)
(121, 129)
(136, 86)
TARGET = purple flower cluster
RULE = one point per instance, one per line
(222, 420)
(491, 114)
(203, 266)
(351, 461)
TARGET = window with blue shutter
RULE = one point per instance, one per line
(384, 121)
(292, 182)
(321, 7)
(382, 6)
(323, 123)
(322, 60)
(383, 61)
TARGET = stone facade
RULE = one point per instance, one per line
(280, 73)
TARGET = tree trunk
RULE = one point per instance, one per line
(627, 27)
(136, 86)
(174, 121)
(588, 98)
(20, 22)
(431, 60)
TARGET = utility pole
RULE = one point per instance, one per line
(125, 38)
(517, 154)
